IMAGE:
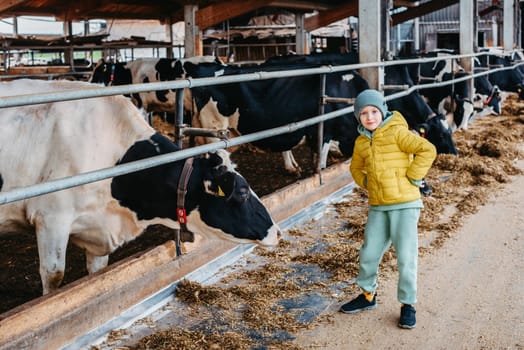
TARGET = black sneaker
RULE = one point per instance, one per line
(360, 303)
(407, 317)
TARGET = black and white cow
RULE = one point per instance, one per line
(55, 140)
(265, 104)
(418, 114)
(485, 92)
(452, 98)
(510, 80)
(517, 57)
(413, 106)
(149, 70)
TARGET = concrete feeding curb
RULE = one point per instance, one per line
(55, 320)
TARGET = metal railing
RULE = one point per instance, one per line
(96, 91)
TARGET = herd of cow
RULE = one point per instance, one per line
(55, 140)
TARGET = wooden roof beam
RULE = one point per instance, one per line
(214, 14)
(327, 17)
(79, 9)
(421, 10)
(82, 10)
(404, 3)
(306, 6)
(8, 4)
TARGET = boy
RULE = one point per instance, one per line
(389, 161)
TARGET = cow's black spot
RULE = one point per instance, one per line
(1, 182)
(178, 70)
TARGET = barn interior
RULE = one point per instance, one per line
(233, 30)
(214, 27)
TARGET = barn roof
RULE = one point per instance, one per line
(210, 12)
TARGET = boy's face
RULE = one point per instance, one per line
(370, 117)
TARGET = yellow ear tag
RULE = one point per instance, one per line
(220, 192)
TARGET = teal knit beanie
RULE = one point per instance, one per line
(370, 97)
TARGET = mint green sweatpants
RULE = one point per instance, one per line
(383, 228)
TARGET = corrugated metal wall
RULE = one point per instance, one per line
(440, 29)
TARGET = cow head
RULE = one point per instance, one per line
(463, 111)
(437, 131)
(109, 73)
(219, 202)
(494, 100)
(485, 92)
(98, 75)
(229, 208)
(507, 80)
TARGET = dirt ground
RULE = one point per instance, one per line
(470, 267)
(470, 291)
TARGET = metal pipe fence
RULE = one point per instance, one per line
(95, 91)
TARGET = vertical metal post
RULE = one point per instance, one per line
(321, 124)
(179, 140)
(452, 99)
(68, 53)
(468, 39)
(179, 117)
(15, 26)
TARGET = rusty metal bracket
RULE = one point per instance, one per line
(396, 87)
(184, 130)
(222, 134)
(327, 99)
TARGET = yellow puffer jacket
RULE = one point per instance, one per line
(383, 162)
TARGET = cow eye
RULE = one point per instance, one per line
(219, 171)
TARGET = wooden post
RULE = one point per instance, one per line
(192, 44)
(302, 42)
(509, 25)
(169, 34)
(370, 30)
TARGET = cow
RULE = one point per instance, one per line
(517, 56)
(55, 140)
(485, 92)
(149, 70)
(413, 106)
(265, 104)
(511, 80)
(417, 112)
(453, 98)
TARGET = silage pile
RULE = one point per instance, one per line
(246, 307)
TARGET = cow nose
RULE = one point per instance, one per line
(242, 194)
(279, 235)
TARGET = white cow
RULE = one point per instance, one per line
(56, 140)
